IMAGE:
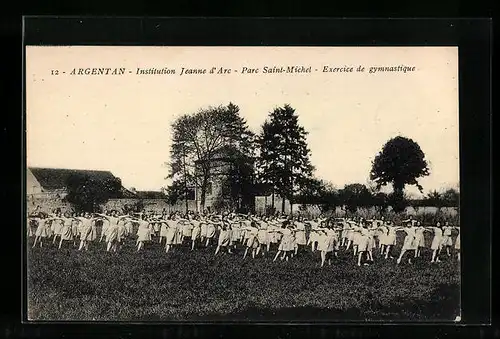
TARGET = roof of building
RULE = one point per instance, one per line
(126, 193)
(150, 195)
(56, 178)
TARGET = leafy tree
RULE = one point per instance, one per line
(401, 162)
(283, 158)
(451, 198)
(318, 192)
(86, 192)
(435, 199)
(177, 191)
(200, 138)
(380, 202)
(354, 196)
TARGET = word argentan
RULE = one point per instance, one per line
(98, 71)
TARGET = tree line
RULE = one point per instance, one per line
(278, 157)
(215, 144)
(354, 196)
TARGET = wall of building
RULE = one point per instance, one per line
(156, 205)
(263, 204)
(46, 204)
(32, 185)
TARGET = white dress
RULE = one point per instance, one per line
(363, 239)
(163, 229)
(196, 229)
(224, 237)
(203, 229)
(171, 230)
(419, 237)
(42, 228)
(438, 238)
(210, 230)
(327, 241)
(56, 227)
(144, 231)
(85, 228)
(447, 241)
(391, 236)
(187, 229)
(67, 229)
(300, 234)
(263, 235)
(409, 241)
(314, 235)
(286, 243)
(252, 240)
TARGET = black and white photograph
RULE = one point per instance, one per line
(258, 184)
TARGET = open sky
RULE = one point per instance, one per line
(121, 123)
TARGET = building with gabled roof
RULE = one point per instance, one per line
(51, 182)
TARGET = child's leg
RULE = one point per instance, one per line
(401, 256)
(359, 258)
(276, 256)
(387, 250)
(217, 250)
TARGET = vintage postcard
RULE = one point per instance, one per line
(259, 184)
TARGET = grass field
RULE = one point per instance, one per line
(156, 286)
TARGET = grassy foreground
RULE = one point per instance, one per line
(156, 286)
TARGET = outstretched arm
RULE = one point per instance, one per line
(104, 216)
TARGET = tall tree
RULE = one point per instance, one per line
(284, 156)
(86, 193)
(199, 138)
(401, 162)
